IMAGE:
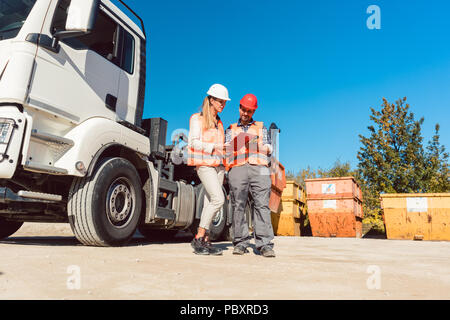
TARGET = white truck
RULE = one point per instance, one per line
(73, 145)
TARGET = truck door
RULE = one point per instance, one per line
(130, 99)
(81, 79)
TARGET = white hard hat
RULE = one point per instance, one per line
(218, 91)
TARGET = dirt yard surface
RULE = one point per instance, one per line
(45, 261)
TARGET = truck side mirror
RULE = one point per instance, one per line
(81, 17)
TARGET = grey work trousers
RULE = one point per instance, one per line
(256, 181)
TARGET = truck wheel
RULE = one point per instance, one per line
(219, 221)
(104, 208)
(8, 228)
(229, 235)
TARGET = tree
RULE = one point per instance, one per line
(437, 172)
(302, 175)
(392, 159)
(338, 169)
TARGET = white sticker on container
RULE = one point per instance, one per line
(417, 204)
(329, 204)
(328, 188)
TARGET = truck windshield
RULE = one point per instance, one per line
(13, 14)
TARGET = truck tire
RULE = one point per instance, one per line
(8, 228)
(218, 225)
(229, 235)
(104, 209)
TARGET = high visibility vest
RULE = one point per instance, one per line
(215, 136)
(251, 155)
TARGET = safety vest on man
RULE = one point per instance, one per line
(252, 154)
(215, 136)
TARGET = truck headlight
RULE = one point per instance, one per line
(6, 128)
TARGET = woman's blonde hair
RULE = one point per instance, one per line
(209, 120)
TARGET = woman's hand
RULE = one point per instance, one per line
(219, 150)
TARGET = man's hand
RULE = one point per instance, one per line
(267, 149)
(253, 141)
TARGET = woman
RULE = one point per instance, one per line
(205, 152)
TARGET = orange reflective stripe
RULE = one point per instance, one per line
(239, 157)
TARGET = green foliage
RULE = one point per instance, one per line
(338, 169)
(437, 170)
(392, 159)
(302, 175)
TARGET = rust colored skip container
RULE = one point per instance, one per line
(417, 216)
(334, 207)
(278, 178)
(288, 219)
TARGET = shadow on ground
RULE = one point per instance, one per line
(137, 240)
(41, 241)
(374, 234)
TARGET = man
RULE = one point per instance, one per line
(248, 148)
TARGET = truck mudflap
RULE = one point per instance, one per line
(12, 127)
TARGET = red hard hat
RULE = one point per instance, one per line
(249, 101)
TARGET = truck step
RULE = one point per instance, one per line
(39, 196)
(49, 138)
(7, 196)
(163, 213)
(42, 168)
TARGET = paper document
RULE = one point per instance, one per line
(239, 141)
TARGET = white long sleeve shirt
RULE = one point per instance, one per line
(195, 137)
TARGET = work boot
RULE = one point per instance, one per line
(267, 252)
(240, 250)
(211, 249)
(198, 244)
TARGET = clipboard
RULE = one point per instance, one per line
(240, 140)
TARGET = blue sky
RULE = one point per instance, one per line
(314, 65)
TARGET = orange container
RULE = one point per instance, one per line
(278, 175)
(278, 178)
(292, 207)
(417, 216)
(285, 224)
(333, 188)
(275, 200)
(294, 191)
(334, 207)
